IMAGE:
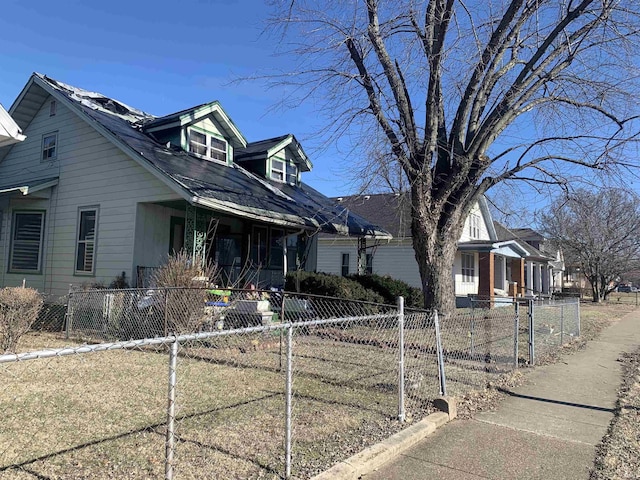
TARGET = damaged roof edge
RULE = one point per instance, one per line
(123, 146)
(293, 221)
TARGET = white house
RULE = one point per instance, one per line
(99, 188)
(485, 265)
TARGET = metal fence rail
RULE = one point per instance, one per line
(194, 383)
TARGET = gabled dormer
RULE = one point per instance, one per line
(280, 159)
(205, 131)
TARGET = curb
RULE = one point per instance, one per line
(375, 456)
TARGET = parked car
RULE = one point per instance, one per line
(626, 289)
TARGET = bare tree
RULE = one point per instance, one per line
(597, 231)
(462, 95)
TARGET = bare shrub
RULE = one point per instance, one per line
(180, 270)
(19, 308)
(186, 280)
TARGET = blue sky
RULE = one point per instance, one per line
(162, 57)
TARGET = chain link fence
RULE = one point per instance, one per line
(551, 327)
(208, 383)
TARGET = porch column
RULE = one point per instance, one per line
(529, 280)
(517, 274)
(538, 286)
(486, 275)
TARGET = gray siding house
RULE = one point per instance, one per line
(99, 188)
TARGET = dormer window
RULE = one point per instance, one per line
(207, 146)
(284, 172)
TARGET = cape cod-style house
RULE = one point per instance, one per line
(98, 188)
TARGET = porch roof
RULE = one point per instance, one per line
(509, 248)
(230, 189)
(31, 186)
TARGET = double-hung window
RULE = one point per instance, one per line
(468, 267)
(26, 242)
(49, 147)
(86, 241)
(292, 174)
(284, 172)
(207, 146)
(277, 170)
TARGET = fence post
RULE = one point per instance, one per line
(532, 335)
(441, 374)
(401, 412)
(171, 412)
(68, 315)
(166, 312)
(516, 334)
(288, 401)
(561, 324)
(282, 320)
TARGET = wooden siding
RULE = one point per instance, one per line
(92, 172)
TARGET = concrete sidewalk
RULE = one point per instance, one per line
(547, 429)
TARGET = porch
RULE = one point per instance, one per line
(245, 252)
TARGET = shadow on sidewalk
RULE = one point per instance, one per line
(558, 402)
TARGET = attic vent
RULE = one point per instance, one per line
(367, 197)
(340, 199)
(111, 105)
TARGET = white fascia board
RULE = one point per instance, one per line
(488, 220)
(512, 245)
(10, 132)
(26, 189)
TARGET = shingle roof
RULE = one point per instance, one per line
(259, 147)
(518, 234)
(233, 189)
(391, 212)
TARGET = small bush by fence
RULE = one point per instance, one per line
(265, 384)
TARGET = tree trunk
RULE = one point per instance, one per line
(435, 242)
(436, 264)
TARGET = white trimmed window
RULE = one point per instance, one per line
(468, 267)
(292, 173)
(474, 226)
(284, 172)
(277, 170)
(49, 146)
(26, 242)
(86, 241)
(207, 146)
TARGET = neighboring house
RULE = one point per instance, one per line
(544, 265)
(485, 266)
(99, 188)
(10, 132)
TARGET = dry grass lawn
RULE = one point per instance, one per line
(103, 415)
